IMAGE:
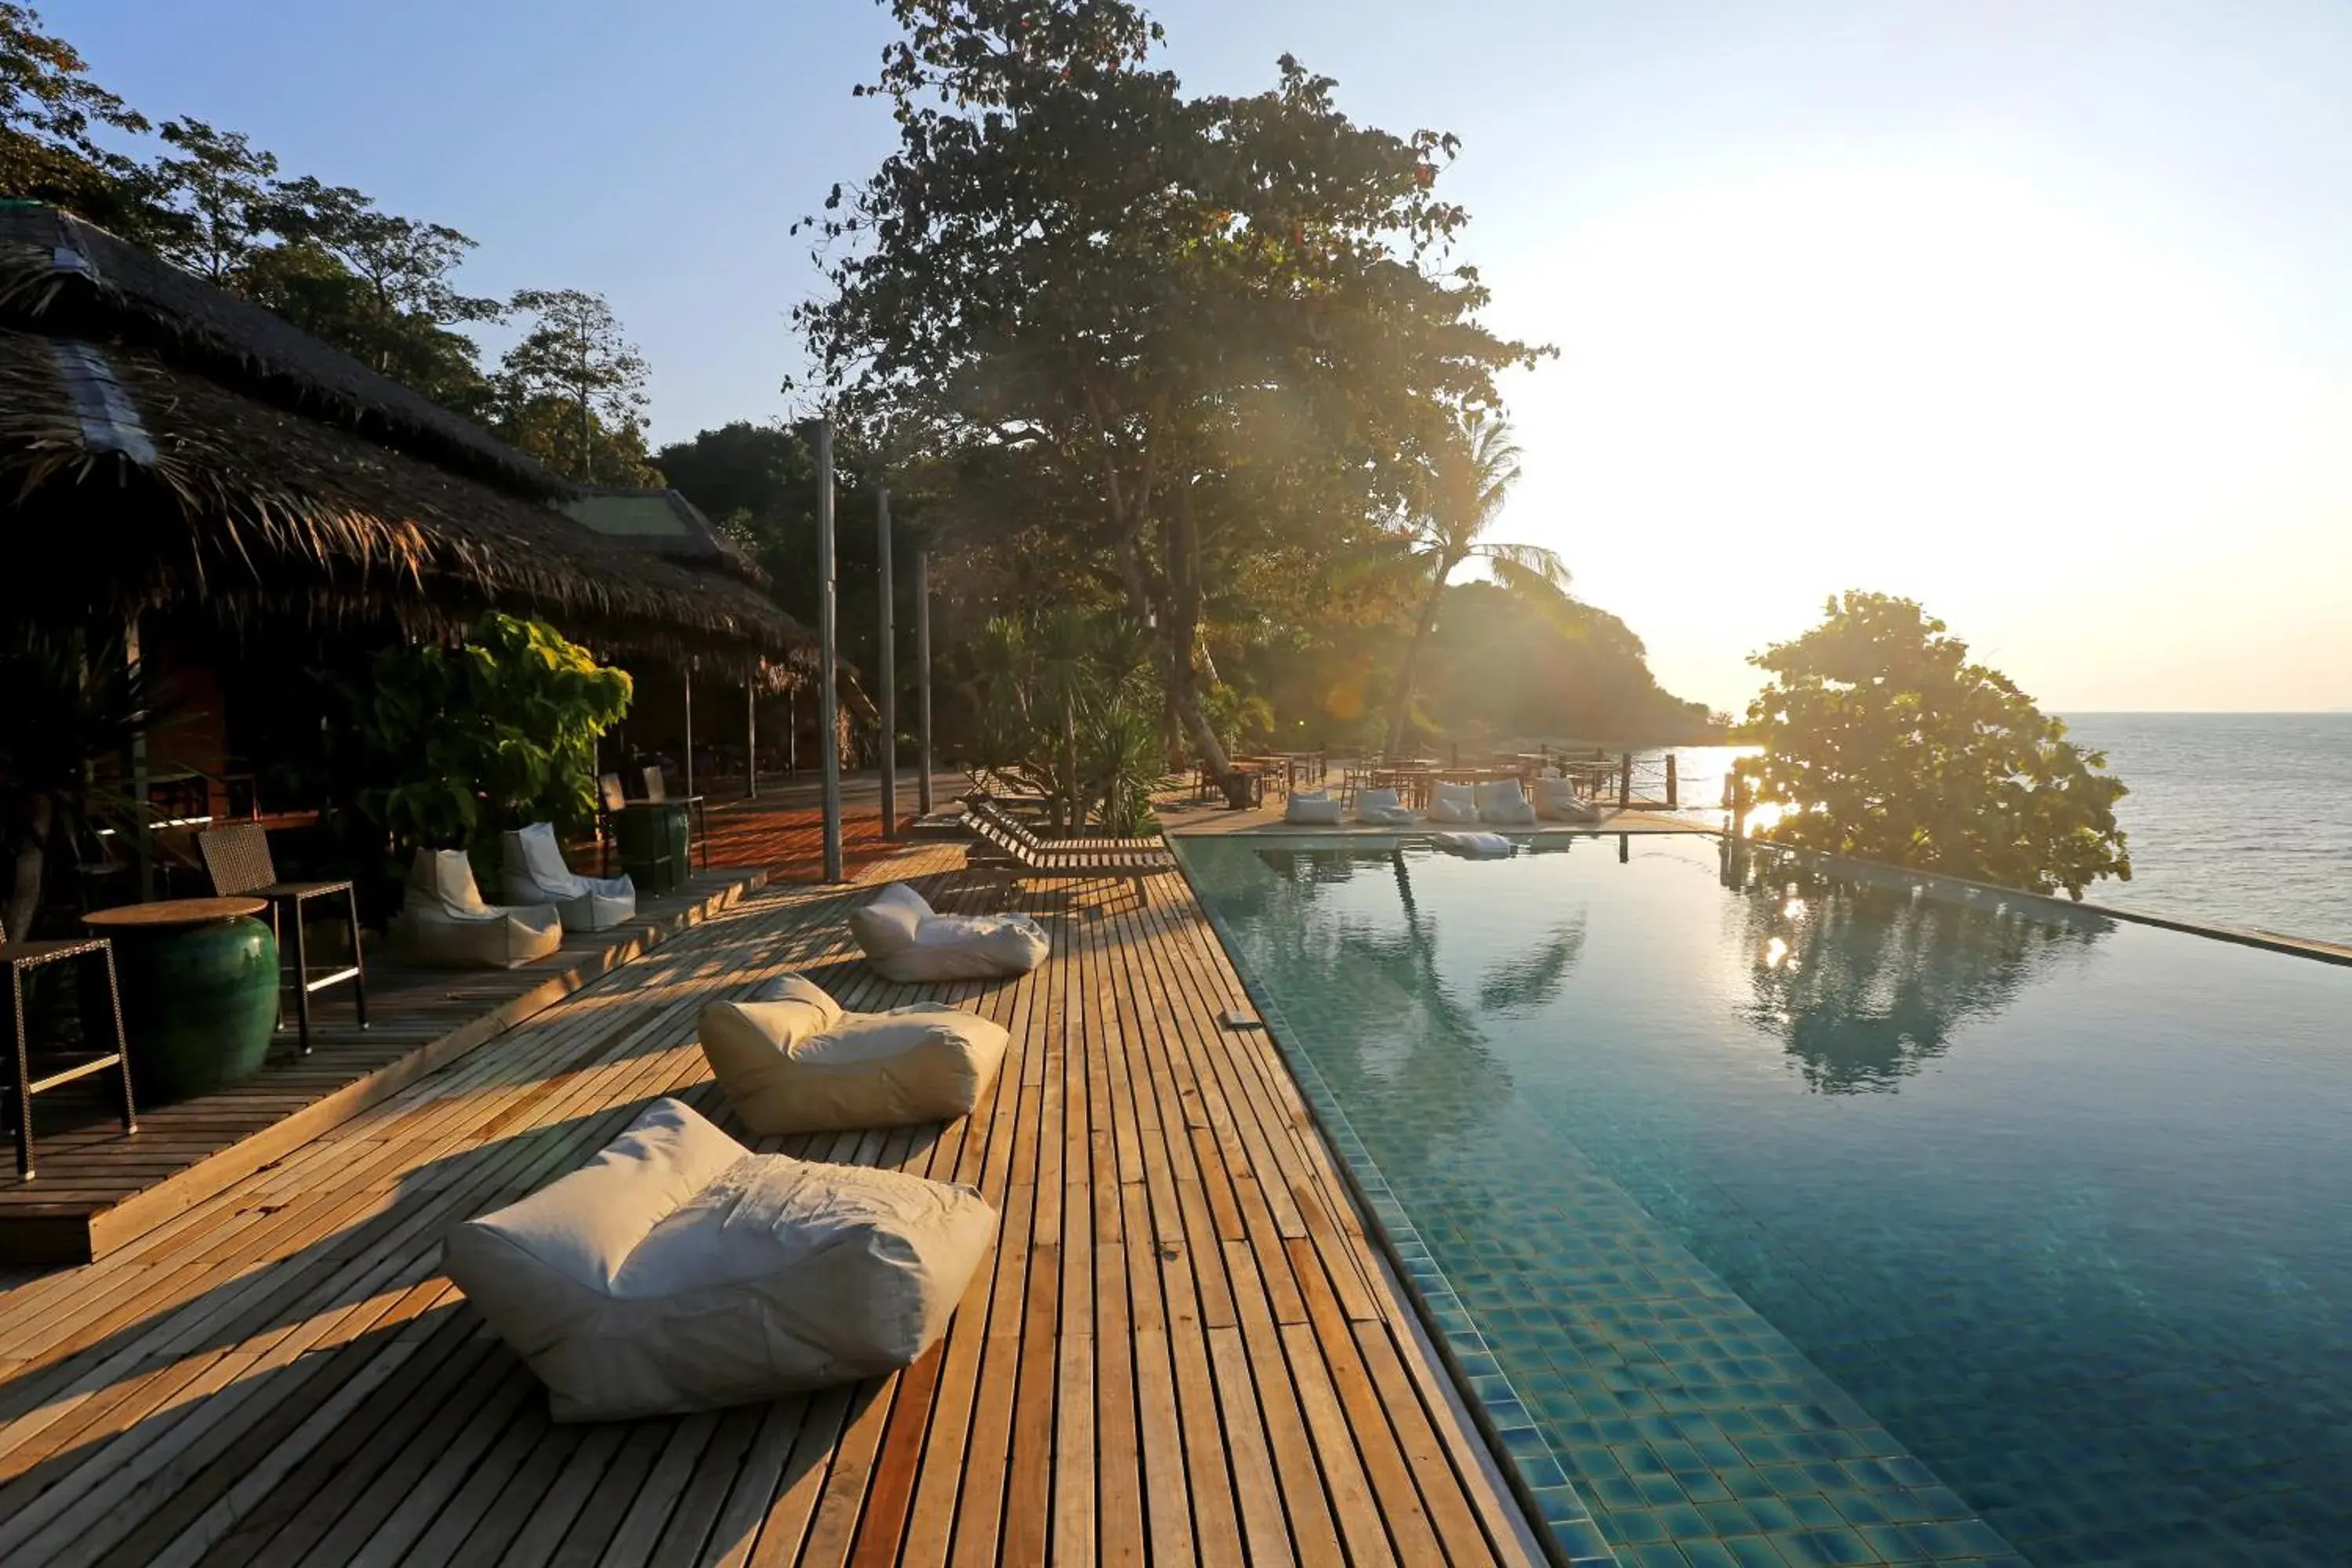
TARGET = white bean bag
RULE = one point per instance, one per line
(792, 1061)
(1557, 801)
(535, 873)
(1503, 804)
(1312, 808)
(1477, 845)
(904, 941)
(678, 1271)
(1453, 803)
(444, 922)
(1380, 807)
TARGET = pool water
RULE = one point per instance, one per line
(1826, 1217)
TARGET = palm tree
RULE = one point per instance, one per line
(1469, 478)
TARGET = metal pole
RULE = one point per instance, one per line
(689, 731)
(751, 736)
(885, 632)
(143, 830)
(827, 715)
(923, 677)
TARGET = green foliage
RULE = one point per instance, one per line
(571, 390)
(1069, 706)
(1882, 741)
(1509, 665)
(1178, 339)
(460, 744)
(49, 113)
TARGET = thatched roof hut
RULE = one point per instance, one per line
(164, 444)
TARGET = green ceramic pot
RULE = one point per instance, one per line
(199, 1004)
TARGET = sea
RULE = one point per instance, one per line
(2240, 819)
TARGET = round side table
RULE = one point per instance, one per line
(199, 992)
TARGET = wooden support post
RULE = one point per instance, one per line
(887, 697)
(143, 831)
(1671, 801)
(689, 731)
(751, 736)
(1624, 780)
(923, 678)
(828, 722)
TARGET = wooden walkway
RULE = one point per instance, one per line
(95, 1187)
(1182, 1349)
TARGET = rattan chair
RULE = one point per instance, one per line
(657, 788)
(610, 800)
(238, 859)
(21, 958)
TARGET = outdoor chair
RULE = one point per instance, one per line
(21, 959)
(657, 789)
(611, 800)
(532, 872)
(905, 940)
(1010, 850)
(239, 861)
(445, 922)
(678, 1271)
(792, 1059)
(1381, 808)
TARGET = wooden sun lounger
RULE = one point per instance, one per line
(1011, 841)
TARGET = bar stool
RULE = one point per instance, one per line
(238, 859)
(21, 958)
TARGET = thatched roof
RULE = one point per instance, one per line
(163, 443)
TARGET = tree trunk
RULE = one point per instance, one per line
(1402, 706)
(30, 869)
(1184, 636)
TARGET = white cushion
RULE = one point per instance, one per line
(1453, 803)
(444, 922)
(791, 1060)
(904, 941)
(534, 873)
(677, 1271)
(1474, 844)
(1313, 807)
(1501, 802)
(1380, 807)
(1557, 801)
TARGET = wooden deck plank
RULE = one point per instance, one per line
(1181, 1348)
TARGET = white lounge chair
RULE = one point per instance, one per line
(1556, 800)
(904, 940)
(444, 922)
(1381, 809)
(1312, 808)
(534, 873)
(678, 1271)
(1501, 803)
(1453, 803)
(792, 1061)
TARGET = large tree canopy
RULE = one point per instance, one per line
(1183, 332)
(1884, 742)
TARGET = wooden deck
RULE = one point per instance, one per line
(95, 1187)
(1182, 1350)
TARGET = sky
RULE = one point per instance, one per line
(2035, 310)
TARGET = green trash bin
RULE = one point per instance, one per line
(653, 843)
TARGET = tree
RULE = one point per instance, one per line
(49, 111)
(1470, 474)
(1882, 741)
(216, 200)
(571, 392)
(1195, 333)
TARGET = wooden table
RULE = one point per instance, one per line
(199, 980)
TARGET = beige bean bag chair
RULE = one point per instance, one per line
(792, 1061)
(1502, 803)
(1557, 801)
(678, 1271)
(444, 922)
(1453, 803)
(1380, 807)
(1312, 808)
(905, 941)
(534, 873)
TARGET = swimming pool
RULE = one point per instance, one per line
(1837, 1218)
